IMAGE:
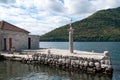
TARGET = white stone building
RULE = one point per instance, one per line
(13, 36)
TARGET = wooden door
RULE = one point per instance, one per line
(10, 43)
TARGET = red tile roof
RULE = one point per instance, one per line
(7, 26)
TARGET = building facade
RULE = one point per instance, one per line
(14, 37)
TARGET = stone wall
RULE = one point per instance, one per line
(0, 41)
(34, 41)
(19, 40)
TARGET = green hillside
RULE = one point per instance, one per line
(103, 25)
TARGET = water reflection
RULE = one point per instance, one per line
(112, 47)
(19, 71)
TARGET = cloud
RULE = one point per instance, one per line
(78, 6)
(41, 16)
(7, 1)
(105, 4)
(54, 5)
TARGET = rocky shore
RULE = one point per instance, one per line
(78, 61)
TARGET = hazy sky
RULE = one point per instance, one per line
(41, 16)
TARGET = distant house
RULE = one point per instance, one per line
(13, 36)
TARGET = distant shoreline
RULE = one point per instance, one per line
(80, 41)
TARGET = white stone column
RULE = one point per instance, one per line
(71, 39)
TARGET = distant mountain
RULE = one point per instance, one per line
(103, 25)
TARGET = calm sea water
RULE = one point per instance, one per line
(18, 71)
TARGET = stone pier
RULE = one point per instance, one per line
(89, 62)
